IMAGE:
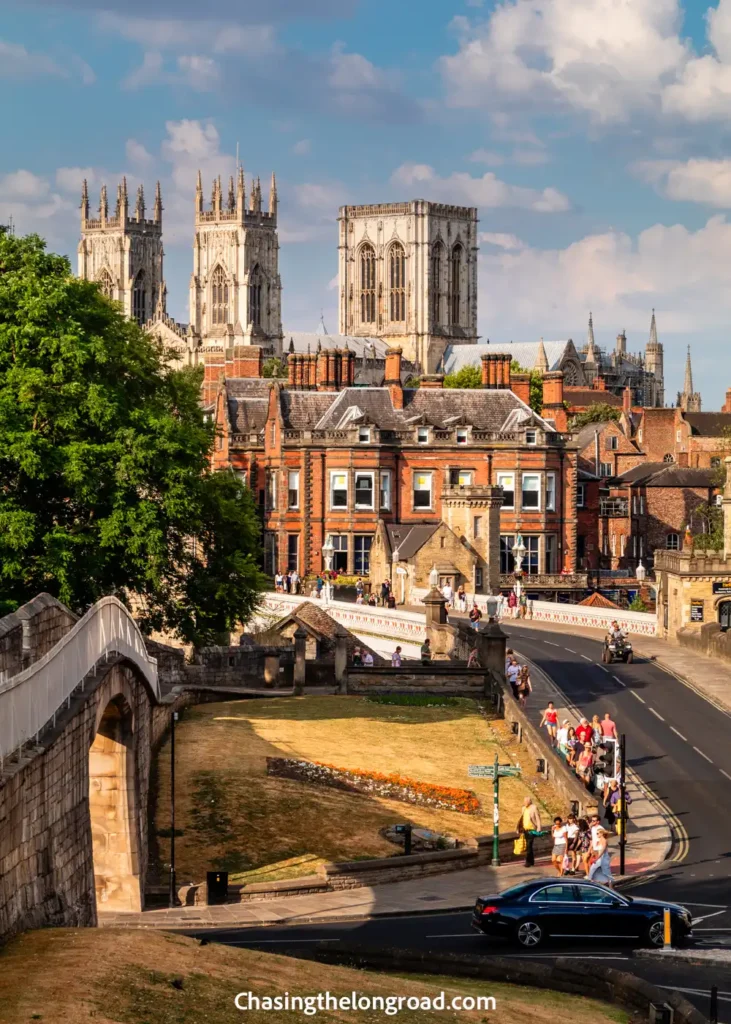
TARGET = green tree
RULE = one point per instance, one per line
(274, 367)
(637, 604)
(467, 377)
(536, 385)
(105, 479)
(601, 412)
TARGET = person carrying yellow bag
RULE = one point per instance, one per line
(529, 825)
(519, 846)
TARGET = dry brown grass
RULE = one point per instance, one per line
(86, 976)
(234, 817)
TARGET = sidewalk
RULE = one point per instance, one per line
(709, 677)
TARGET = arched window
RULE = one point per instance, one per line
(368, 284)
(139, 298)
(219, 297)
(106, 285)
(672, 542)
(397, 265)
(668, 458)
(255, 281)
(455, 274)
(437, 256)
(570, 375)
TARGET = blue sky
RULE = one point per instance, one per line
(593, 136)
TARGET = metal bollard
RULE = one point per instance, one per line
(667, 930)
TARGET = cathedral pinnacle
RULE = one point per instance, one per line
(591, 352)
(157, 216)
(140, 207)
(103, 204)
(273, 195)
(231, 195)
(85, 200)
(199, 194)
(653, 330)
(252, 196)
(541, 364)
(241, 191)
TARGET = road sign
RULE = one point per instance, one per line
(495, 772)
(487, 771)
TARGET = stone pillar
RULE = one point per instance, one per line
(300, 654)
(271, 669)
(341, 660)
(436, 609)
(727, 511)
(491, 642)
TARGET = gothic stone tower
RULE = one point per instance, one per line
(408, 274)
(235, 289)
(654, 365)
(124, 253)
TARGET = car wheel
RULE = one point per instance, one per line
(656, 934)
(529, 934)
(629, 658)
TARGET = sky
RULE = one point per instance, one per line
(594, 136)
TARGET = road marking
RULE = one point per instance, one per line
(564, 956)
(452, 935)
(551, 644)
(673, 729)
(706, 916)
(725, 773)
(638, 697)
(714, 929)
(655, 713)
(703, 755)
(618, 680)
(569, 650)
(258, 942)
(725, 996)
(601, 667)
(585, 658)
(710, 906)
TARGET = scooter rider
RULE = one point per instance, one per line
(616, 633)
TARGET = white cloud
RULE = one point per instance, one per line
(18, 62)
(501, 240)
(69, 179)
(137, 154)
(487, 156)
(30, 202)
(302, 148)
(315, 196)
(197, 72)
(694, 181)
(487, 191)
(200, 73)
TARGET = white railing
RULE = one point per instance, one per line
(637, 623)
(32, 699)
(359, 618)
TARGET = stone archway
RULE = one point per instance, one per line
(113, 810)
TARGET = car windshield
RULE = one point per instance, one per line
(515, 891)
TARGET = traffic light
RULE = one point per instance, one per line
(606, 759)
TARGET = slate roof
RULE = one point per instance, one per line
(321, 623)
(363, 347)
(526, 353)
(667, 474)
(247, 401)
(409, 538)
(708, 424)
(591, 396)
(302, 410)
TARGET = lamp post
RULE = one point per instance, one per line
(640, 572)
(518, 555)
(395, 558)
(492, 604)
(434, 578)
(172, 895)
(327, 554)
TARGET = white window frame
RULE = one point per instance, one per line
(634, 545)
(290, 474)
(477, 527)
(243, 476)
(461, 472)
(523, 478)
(479, 578)
(415, 474)
(605, 469)
(581, 495)
(461, 435)
(642, 504)
(550, 492)
(372, 476)
(333, 474)
(612, 443)
(271, 490)
(422, 435)
(622, 543)
(676, 546)
(386, 491)
(642, 545)
(531, 437)
(364, 435)
(614, 545)
(509, 476)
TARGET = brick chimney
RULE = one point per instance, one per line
(432, 380)
(485, 360)
(627, 400)
(520, 386)
(291, 370)
(553, 407)
(599, 383)
(726, 407)
(246, 361)
(214, 371)
(393, 377)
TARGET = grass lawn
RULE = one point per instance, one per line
(88, 976)
(234, 817)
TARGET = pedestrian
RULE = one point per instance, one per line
(359, 587)
(473, 661)
(357, 658)
(529, 826)
(512, 602)
(391, 600)
(560, 841)
(372, 600)
(611, 786)
(525, 687)
(512, 675)
(319, 584)
(396, 658)
(367, 659)
(359, 598)
(574, 746)
(595, 827)
(475, 615)
(584, 731)
(508, 655)
(448, 594)
(573, 839)
(601, 868)
(278, 582)
(426, 652)
(550, 720)
(295, 581)
(523, 602)
(385, 590)
(609, 728)
(287, 583)
(562, 739)
(461, 599)
(596, 731)
(585, 765)
(584, 844)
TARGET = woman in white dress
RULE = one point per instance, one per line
(601, 868)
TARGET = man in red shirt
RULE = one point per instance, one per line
(584, 731)
(609, 729)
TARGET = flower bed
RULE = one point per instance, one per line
(392, 787)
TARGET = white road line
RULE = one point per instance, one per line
(551, 644)
(618, 680)
(257, 942)
(725, 773)
(601, 667)
(673, 729)
(706, 916)
(726, 997)
(713, 929)
(703, 755)
(655, 713)
(452, 935)
(585, 658)
(708, 906)
(569, 650)
(638, 697)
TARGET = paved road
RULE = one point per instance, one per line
(678, 745)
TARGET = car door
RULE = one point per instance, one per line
(605, 913)
(557, 909)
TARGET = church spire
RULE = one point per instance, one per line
(688, 382)
(591, 352)
(252, 196)
(231, 195)
(199, 194)
(84, 201)
(140, 207)
(541, 364)
(103, 204)
(273, 200)
(240, 193)
(653, 331)
(689, 400)
(157, 216)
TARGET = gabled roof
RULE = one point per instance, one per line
(247, 400)
(525, 352)
(597, 600)
(667, 474)
(409, 537)
(585, 435)
(591, 396)
(708, 424)
(305, 341)
(322, 625)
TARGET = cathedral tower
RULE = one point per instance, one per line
(235, 288)
(123, 252)
(654, 366)
(688, 399)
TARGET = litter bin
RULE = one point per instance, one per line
(217, 886)
(661, 1013)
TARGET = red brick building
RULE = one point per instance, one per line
(329, 460)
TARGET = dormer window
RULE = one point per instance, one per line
(531, 437)
(462, 436)
(422, 435)
(364, 435)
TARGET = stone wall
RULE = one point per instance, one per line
(31, 631)
(46, 858)
(439, 678)
(709, 639)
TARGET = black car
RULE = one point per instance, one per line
(531, 912)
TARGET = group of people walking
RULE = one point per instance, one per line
(580, 746)
(287, 582)
(579, 844)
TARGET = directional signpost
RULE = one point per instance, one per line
(495, 772)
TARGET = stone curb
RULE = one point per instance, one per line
(696, 957)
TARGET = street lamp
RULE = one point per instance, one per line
(396, 558)
(492, 604)
(434, 578)
(172, 895)
(327, 554)
(640, 572)
(518, 554)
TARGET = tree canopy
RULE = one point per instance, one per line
(601, 412)
(536, 385)
(105, 478)
(274, 367)
(467, 377)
